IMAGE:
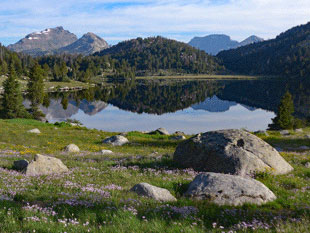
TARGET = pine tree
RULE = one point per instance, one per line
(36, 90)
(12, 102)
(284, 118)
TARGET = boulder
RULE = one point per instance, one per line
(72, 148)
(106, 152)
(224, 189)
(20, 164)
(156, 193)
(161, 131)
(45, 165)
(307, 136)
(299, 130)
(178, 137)
(36, 131)
(179, 133)
(307, 165)
(117, 140)
(284, 132)
(230, 151)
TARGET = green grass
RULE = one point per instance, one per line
(84, 200)
(49, 84)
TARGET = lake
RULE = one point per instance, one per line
(188, 106)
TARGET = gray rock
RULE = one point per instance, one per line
(307, 165)
(45, 165)
(179, 133)
(262, 132)
(106, 152)
(284, 132)
(72, 148)
(178, 138)
(20, 164)
(224, 189)
(161, 131)
(230, 151)
(299, 130)
(156, 193)
(307, 136)
(36, 131)
(117, 140)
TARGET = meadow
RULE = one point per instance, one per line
(94, 195)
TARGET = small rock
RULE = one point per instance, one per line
(116, 140)
(224, 189)
(178, 137)
(45, 165)
(161, 131)
(36, 131)
(106, 152)
(74, 124)
(307, 165)
(72, 148)
(156, 193)
(179, 133)
(20, 164)
(304, 148)
(262, 132)
(307, 136)
(123, 134)
(284, 132)
(299, 130)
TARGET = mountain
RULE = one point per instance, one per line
(214, 104)
(250, 40)
(86, 45)
(155, 54)
(288, 54)
(213, 44)
(44, 42)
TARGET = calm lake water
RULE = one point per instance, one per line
(188, 106)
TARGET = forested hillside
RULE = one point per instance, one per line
(288, 54)
(157, 53)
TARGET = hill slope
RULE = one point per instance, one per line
(213, 44)
(287, 54)
(86, 45)
(157, 53)
(40, 43)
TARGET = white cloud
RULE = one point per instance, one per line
(176, 19)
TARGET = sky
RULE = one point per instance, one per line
(126, 19)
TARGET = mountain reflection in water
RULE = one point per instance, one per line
(189, 106)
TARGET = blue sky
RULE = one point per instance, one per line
(125, 19)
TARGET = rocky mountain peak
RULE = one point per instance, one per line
(43, 42)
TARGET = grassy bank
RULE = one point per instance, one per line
(94, 196)
(207, 77)
(49, 84)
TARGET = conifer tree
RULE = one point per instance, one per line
(36, 90)
(12, 102)
(284, 118)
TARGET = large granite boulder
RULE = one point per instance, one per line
(117, 140)
(156, 193)
(45, 165)
(234, 152)
(224, 189)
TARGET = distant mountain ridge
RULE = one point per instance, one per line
(58, 40)
(213, 44)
